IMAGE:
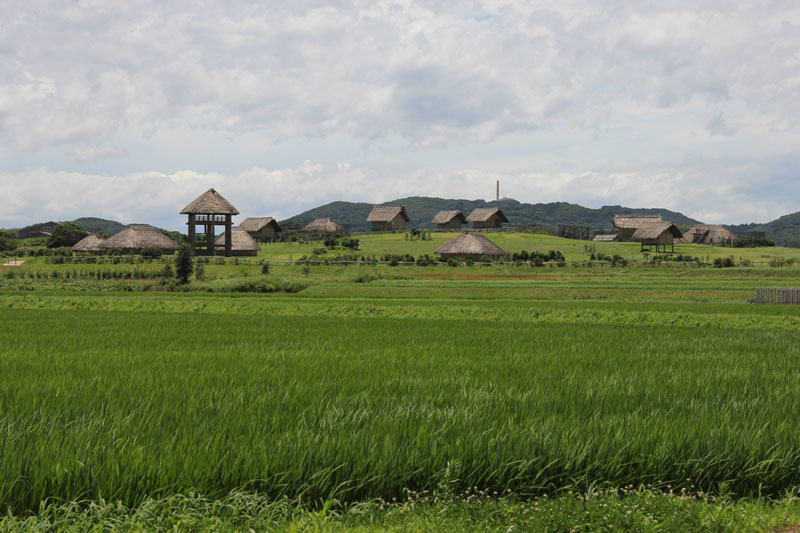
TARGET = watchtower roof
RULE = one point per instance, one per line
(210, 203)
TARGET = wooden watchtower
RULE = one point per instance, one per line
(209, 210)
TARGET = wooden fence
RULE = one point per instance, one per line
(774, 295)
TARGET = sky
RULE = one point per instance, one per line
(130, 110)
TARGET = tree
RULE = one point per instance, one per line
(66, 234)
(8, 241)
(183, 263)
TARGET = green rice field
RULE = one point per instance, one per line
(374, 383)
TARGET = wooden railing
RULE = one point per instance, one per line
(774, 295)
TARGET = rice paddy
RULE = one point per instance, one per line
(376, 381)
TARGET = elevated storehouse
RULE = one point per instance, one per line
(242, 244)
(323, 225)
(209, 210)
(487, 217)
(449, 220)
(472, 245)
(660, 235)
(137, 237)
(388, 218)
(262, 229)
(91, 244)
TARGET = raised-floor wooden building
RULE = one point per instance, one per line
(388, 218)
(487, 217)
(209, 210)
(262, 229)
(449, 220)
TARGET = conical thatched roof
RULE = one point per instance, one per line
(210, 203)
(241, 241)
(91, 243)
(138, 237)
(323, 225)
(483, 214)
(708, 234)
(470, 243)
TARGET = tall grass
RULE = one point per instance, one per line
(130, 405)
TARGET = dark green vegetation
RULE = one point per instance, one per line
(371, 382)
(65, 235)
(421, 209)
(94, 225)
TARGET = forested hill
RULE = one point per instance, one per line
(92, 224)
(785, 231)
(421, 209)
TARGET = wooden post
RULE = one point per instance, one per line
(192, 236)
(210, 236)
(228, 236)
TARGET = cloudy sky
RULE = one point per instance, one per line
(129, 110)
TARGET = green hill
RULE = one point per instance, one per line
(421, 209)
(92, 224)
(785, 231)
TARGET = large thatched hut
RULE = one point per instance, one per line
(709, 234)
(323, 225)
(470, 244)
(657, 234)
(449, 219)
(209, 210)
(628, 224)
(262, 229)
(91, 244)
(242, 244)
(388, 217)
(137, 237)
(487, 217)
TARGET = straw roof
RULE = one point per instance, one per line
(387, 213)
(653, 229)
(241, 241)
(634, 221)
(443, 217)
(605, 237)
(484, 214)
(91, 243)
(709, 233)
(470, 243)
(139, 236)
(323, 225)
(256, 224)
(210, 203)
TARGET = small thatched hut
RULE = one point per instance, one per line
(322, 225)
(242, 244)
(709, 234)
(388, 217)
(658, 234)
(449, 219)
(628, 224)
(470, 244)
(487, 217)
(606, 237)
(137, 237)
(262, 229)
(92, 243)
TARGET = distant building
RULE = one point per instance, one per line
(709, 234)
(262, 229)
(449, 220)
(136, 238)
(92, 243)
(659, 235)
(470, 245)
(487, 217)
(43, 229)
(323, 225)
(388, 218)
(628, 224)
(242, 244)
(606, 237)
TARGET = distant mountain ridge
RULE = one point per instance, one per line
(422, 209)
(785, 231)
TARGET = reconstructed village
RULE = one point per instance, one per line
(257, 272)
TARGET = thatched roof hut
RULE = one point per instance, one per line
(210, 203)
(709, 234)
(137, 237)
(241, 243)
(470, 244)
(449, 219)
(628, 224)
(487, 217)
(92, 243)
(322, 225)
(388, 217)
(606, 237)
(658, 234)
(262, 229)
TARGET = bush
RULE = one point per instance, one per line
(152, 252)
(723, 262)
(265, 268)
(183, 263)
(8, 241)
